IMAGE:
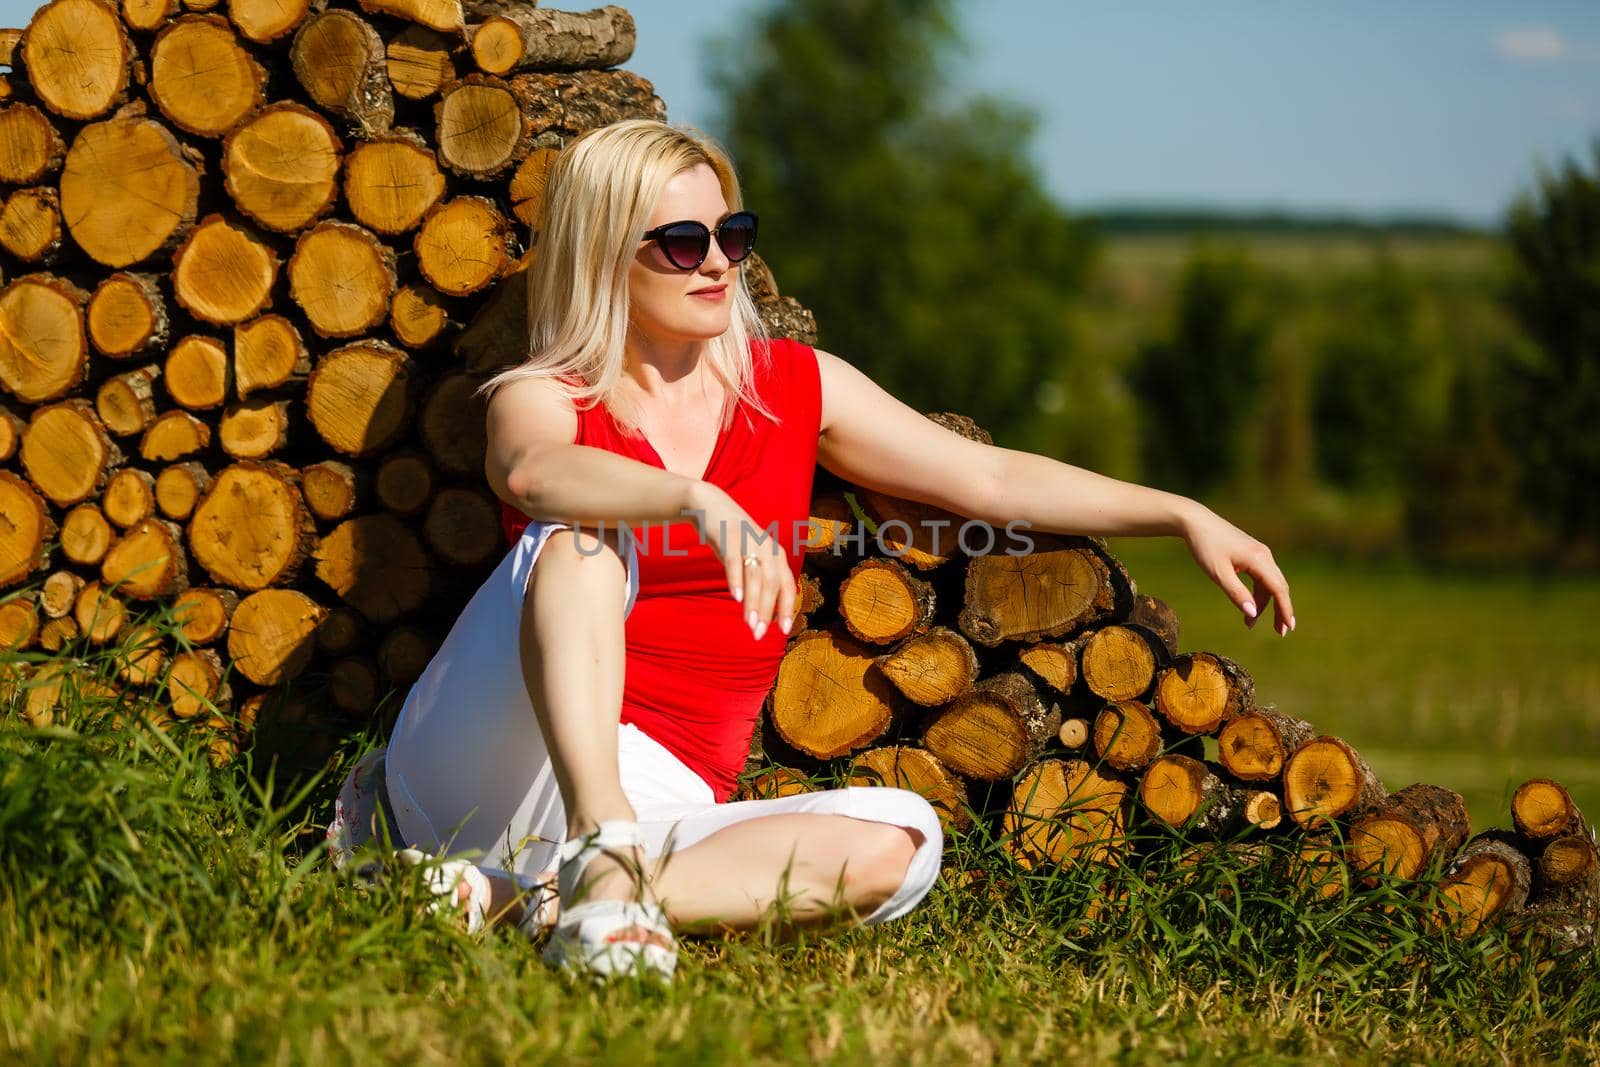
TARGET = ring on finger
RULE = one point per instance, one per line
(751, 561)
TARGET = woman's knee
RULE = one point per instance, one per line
(583, 556)
(891, 847)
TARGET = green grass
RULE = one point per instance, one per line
(156, 909)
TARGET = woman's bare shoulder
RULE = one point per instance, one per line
(531, 409)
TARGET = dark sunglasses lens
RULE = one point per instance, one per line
(686, 246)
(737, 236)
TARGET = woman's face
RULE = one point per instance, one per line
(666, 302)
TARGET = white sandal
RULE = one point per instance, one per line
(443, 879)
(587, 934)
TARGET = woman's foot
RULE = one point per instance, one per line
(610, 922)
(457, 887)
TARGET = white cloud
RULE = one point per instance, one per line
(1532, 44)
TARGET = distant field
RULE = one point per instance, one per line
(1465, 256)
(1474, 682)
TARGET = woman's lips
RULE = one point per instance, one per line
(710, 292)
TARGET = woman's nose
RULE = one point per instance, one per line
(716, 261)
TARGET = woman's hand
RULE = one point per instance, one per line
(766, 588)
(1224, 551)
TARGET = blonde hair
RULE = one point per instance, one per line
(601, 191)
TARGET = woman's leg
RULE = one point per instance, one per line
(573, 663)
(800, 868)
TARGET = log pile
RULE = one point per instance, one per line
(1035, 688)
(254, 258)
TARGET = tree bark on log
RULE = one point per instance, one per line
(545, 39)
(1188, 794)
(1406, 832)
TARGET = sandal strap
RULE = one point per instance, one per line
(576, 853)
(585, 936)
(617, 913)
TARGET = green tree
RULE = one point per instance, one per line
(1368, 373)
(916, 229)
(1198, 386)
(1554, 389)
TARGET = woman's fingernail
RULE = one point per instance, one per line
(1291, 622)
(761, 629)
(784, 625)
(738, 595)
(1250, 609)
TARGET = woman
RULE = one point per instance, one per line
(591, 707)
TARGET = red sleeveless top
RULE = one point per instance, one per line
(696, 677)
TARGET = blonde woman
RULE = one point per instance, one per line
(590, 709)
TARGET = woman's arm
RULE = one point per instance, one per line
(532, 464)
(872, 439)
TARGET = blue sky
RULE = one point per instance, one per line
(1439, 106)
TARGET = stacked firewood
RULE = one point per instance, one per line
(1032, 684)
(254, 264)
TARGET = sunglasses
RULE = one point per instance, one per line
(685, 244)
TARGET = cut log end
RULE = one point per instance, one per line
(827, 701)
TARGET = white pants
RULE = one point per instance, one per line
(468, 772)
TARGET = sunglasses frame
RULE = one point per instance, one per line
(707, 234)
